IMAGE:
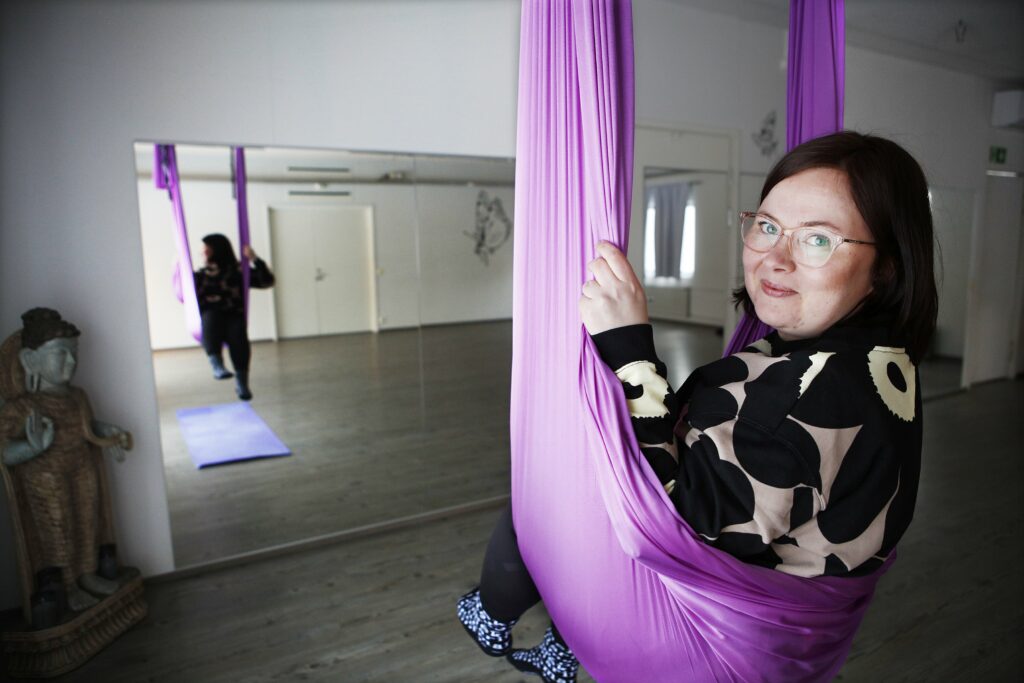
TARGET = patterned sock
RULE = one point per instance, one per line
(551, 660)
(494, 637)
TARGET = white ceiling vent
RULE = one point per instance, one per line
(1008, 109)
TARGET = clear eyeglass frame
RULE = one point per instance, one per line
(805, 243)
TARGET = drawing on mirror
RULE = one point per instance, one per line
(764, 138)
(493, 228)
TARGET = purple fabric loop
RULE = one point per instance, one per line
(165, 176)
(636, 594)
(815, 87)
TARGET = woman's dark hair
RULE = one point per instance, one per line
(891, 193)
(223, 254)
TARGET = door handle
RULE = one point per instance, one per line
(320, 275)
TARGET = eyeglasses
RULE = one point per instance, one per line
(810, 246)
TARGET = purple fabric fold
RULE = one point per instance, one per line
(815, 70)
(242, 204)
(636, 594)
(815, 87)
(165, 176)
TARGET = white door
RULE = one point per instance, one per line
(994, 306)
(325, 270)
(344, 270)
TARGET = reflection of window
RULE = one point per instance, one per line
(649, 268)
(688, 260)
(670, 233)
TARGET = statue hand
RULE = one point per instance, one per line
(116, 452)
(38, 432)
(110, 433)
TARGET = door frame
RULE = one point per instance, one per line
(375, 270)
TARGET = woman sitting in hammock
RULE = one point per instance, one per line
(221, 306)
(802, 452)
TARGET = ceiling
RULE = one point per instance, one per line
(992, 44)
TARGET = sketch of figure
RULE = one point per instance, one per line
(493, 228)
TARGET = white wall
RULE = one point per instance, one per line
(81, 81)
(456, 285)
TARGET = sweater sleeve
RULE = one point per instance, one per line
(260, 276)
(653, 406)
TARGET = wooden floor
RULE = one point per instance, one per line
(382, 426)
(382, 608)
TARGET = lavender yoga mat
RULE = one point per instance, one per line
(636, 593)
(227, 432)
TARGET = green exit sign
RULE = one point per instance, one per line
(997, 155)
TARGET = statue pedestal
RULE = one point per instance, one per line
(62, 648)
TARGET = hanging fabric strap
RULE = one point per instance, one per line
(636, 593)
(165, 176)
(242, 204)
(815, 86)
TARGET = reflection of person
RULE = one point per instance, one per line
(221, 305)
(802, 452)
(52, 446)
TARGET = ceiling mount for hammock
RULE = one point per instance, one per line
(165, 176)
(636, 593)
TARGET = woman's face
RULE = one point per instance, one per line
(802, 302)
(208, 253)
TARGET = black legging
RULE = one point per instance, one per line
(506, 588)
(219, 328)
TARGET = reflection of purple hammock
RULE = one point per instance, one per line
(165, 176)
(637, 595)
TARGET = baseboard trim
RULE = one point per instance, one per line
(332, 538)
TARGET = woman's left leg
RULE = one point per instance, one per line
(506, 591)
(237, 338)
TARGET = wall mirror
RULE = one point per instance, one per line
(681, 207)
(380, 357)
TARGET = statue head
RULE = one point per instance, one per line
(49, 350)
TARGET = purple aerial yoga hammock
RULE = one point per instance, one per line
(242, 204)
(165, 176)
(636, 594)
(815, 73)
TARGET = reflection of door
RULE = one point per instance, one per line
(324, 263)
(994, 304)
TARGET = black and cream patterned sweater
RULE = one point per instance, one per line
(222, 290)
(802, 456)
